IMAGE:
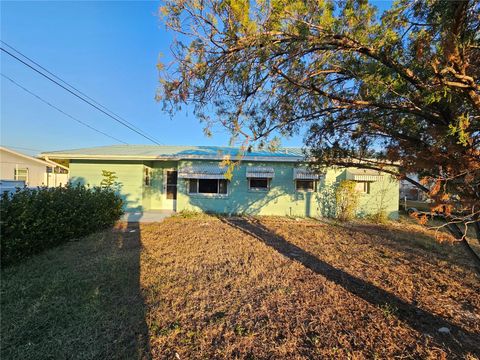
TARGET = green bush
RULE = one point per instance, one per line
(33, 220)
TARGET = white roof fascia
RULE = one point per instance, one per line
(171, 157)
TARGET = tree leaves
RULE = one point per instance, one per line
(401, 87)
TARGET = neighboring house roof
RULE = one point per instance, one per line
(45, 162)
(156, 152)
(27, 157)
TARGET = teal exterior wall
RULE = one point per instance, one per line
(130, 178)
(281, 199)
(154, 195)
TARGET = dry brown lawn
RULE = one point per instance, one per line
(205, 287)
(285, 289)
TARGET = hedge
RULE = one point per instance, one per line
(33, 220)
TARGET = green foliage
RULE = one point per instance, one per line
(109, 179)
(187, 214)
(347, 200)
(33, 220)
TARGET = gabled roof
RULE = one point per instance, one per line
(27, 157)
(156, 152)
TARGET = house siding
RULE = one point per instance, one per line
(154, 195)
(130, 178)
(281, 199)
(36, 172)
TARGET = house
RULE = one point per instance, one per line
(195, 178)
(408, 191)
(17, 168)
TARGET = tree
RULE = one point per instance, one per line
(397, 92)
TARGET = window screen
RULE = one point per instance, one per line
(208, 186)
(193, 186)
(363, 187)
(259, 184)
(306, 185)
(222, 186)
(21, 175)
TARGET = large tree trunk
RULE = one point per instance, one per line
(457, 233)
(476, 226)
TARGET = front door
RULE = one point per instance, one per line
(170, 189)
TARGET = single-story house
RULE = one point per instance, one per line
(195, 178)
(19, 168)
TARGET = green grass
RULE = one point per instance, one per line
(81, 300)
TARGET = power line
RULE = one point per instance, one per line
(70, 85)
(60, 110)
(81, 98)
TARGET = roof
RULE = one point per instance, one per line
(158, 152)
(28, 157)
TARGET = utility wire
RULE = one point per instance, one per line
(69, 85)
(60, 110)
(81, 98)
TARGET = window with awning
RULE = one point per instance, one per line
(202, 172)
(364, 175)
(260, 172)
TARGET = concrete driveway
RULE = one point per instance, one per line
(146, 216)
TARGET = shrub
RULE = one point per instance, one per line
(347, 200)
(380, 217)
(187, 214)
(33, 220)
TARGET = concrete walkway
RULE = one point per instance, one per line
(146, 216)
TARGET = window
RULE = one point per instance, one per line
(306, 185)
(147, 178)
(207, 186)
(261, 184)
(21, 175)
(363, 187)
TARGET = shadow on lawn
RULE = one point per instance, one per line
(460, 341)
(425, 244)
(82, 300)
(139, 334)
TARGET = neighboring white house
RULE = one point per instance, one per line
(408, 191)
(31, 171)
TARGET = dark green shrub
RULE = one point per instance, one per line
(33, 220)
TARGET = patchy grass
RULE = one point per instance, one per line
(201, 286)
(81, 300)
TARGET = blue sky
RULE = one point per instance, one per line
(109, 51)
